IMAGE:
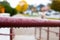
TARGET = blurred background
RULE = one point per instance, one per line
(43, 9)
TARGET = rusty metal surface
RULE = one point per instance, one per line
(25, 22)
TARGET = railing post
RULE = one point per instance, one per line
(59, 33)
(48, 33)
(35, 32)
(11, 29)
(40, 33)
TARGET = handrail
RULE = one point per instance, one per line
(26, 22)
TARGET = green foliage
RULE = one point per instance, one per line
(56, 5)
(8, 8)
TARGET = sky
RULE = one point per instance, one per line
(14, 3)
